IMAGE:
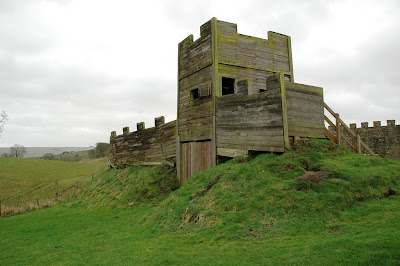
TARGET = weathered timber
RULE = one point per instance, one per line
(236, 94)
(239, 119)
(148, 145)
(305, 107)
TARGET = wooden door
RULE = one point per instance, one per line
(195, 157)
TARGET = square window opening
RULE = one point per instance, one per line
(228, 86)
(194, 94)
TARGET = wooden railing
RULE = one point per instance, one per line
(337, 136)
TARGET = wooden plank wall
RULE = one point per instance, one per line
(196, 157)
(195, 71)
(256, 77)
(305, 107)
(151, 145)
(272, 54)
(195, 116)
(251, 122)
(195, 55)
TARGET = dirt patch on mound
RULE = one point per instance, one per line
(312, 176)
(202, 192)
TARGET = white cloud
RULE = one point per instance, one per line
(72, 71)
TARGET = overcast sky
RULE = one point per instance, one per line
(72, 71)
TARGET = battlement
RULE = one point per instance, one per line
(383, 140)
(158, 121)
(376, 125)
(145, 146)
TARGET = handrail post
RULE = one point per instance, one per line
(338, 129)
(358, 144)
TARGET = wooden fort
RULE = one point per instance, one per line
(236, 96)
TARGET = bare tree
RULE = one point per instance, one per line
(17, 151)
(3, 119)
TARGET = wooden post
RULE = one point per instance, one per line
(56, 187)
(37, 201)
(77, 184)
(284, 112)
(338, 129)
(359, 144)
(0, 208)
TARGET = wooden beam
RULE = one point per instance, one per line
(330, 122)
(290, 58)
(359, 145)
(215, 87)
(349, 142)
(338, 129)
(348, 129)
(284, 112)
(329, 109)
(330, 136)
(367, 148)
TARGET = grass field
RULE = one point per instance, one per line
(368, 234)
(318, 205)
(74, 156)
(24, 180)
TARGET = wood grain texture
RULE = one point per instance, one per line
(196, 157)
(305, 105)
(240, 50)
(249, 122)
(150, 145)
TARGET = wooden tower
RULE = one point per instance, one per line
(236, 96)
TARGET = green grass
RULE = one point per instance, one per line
(23, 180)
(368, 234)
(77, 156)
(345, 210)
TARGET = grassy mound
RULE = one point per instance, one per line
(301, 191)
(131, 186)
(305, 190)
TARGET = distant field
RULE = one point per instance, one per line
(22, 180)
(40, 151)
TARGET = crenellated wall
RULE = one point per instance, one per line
(149, 146)
(383, 140)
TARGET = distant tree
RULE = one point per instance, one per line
(101, 150)
(91, 154)
(3, 119)
(5, 155)
(49, 156)
(17, 151)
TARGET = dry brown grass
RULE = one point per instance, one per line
(8, 210)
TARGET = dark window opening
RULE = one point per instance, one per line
(223, 159)
(228, 86)
(263, 90)
(254, 154)
(287, 77)
(194, 94)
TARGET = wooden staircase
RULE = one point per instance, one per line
(340, 131)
